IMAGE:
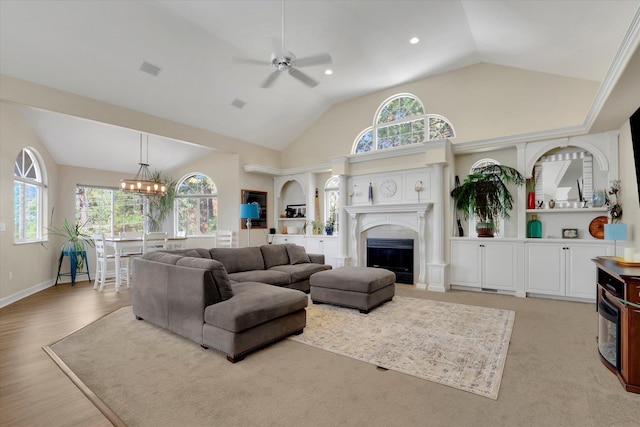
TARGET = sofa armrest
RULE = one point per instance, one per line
(170, 296)
(316, 258)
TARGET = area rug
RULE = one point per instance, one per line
(457, 345)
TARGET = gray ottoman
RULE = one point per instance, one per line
(357, 287)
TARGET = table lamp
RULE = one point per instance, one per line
(249, 211)
(615, 232)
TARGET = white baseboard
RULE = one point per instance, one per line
(25, 293)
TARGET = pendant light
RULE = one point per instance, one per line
(143, 183)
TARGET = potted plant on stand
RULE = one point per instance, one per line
(75, 246)
(484, 193)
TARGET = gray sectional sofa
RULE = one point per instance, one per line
(234, 300)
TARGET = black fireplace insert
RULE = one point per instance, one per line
(392, 254)
(609, 332)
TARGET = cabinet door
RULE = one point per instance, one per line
(545, 268)
(331, 252)
(500, 265)
(581, 271)
(465, 263)
(314, 245)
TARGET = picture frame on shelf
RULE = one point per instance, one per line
(259, 198)
(569, 233)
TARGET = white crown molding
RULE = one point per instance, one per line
(267, 170)
(398, 208)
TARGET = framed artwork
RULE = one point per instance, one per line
(569, 233)
(259, 198)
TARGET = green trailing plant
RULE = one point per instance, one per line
(160, 206)
(484, 193)
(77, 241)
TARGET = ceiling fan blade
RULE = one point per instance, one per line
(270, 79)
(299, 75)
(322, 58)
(249, 61)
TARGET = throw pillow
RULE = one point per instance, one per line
(297, 254)
(218, 274)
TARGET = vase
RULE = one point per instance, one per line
(485, 229)
(597, 199)
(531, 200)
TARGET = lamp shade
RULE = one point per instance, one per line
(615, 231)
(249, 210)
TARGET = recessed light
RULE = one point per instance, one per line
(328, 71)
(414, 40)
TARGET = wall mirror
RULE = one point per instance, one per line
(562, 174)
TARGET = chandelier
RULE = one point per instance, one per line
(144, 183)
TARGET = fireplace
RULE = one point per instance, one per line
(392, 254)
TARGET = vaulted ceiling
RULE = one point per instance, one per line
(96, 49)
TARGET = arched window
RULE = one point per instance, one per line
(499, 224)
(28, 197)
(401, 120)
(331, 202)
(196, 206)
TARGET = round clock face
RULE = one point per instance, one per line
(388, 188)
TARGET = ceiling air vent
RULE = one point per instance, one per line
(150, 69)
(238, 103)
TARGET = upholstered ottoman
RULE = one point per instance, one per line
(357, 287)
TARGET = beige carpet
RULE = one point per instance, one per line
(461, 346)
(552, 376)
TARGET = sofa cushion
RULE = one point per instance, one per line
(297, 254)
(300, 272)
(162, 257)
(201, 253)
(239, 259)
(274, 255)
(218, 275)
(254, 304)
(271, 277)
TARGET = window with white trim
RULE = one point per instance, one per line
(109, 210)
(28, 197)
(401, 120)
(332, 202)
(196, 206)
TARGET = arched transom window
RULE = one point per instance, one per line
(401, 120)
(196, 205)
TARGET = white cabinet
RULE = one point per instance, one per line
(563, 268)
(293, 238)
(326, 245)
(485, 264)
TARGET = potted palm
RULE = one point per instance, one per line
(484, 193)
(160, 206)
(77, 241)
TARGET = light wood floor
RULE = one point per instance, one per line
(33, 390)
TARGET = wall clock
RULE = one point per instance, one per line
(388, 187)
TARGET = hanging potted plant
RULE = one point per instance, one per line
(484, 193)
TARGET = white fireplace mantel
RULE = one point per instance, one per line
(409, 215)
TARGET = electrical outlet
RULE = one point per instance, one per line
(2, 226)
(10, 275)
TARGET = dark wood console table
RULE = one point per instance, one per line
(620, 287)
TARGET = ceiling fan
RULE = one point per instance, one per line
(282, 60)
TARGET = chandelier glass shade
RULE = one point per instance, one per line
(144, 183)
